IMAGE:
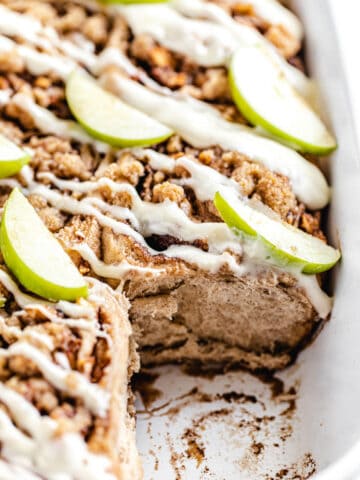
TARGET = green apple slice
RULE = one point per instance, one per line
(288, 245)
(109, 119)
(266, 99)
(33, 254)
(12, 158)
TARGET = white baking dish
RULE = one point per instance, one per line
(232, 436)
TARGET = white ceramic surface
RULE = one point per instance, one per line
(236, 426)
(346, 18)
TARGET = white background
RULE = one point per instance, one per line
(347, 20)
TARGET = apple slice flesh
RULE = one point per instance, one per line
(288, 245)
(109, 119)
(12, 158)
(33, 254)
(266, 99)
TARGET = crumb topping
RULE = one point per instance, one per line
(87, 195)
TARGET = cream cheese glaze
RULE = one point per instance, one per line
(275, 13)
(216, 38)
(198, 123)
(38, 63)
(16, 332)
(14, 472)
(21, 298)
(95, 398)
(42, 452)
(82, 314)
(31, 30)
(63, 55)
(31, 445)
(47, 122)
(208, 37)
(202, 126)
(169, 217)
(194, 120)
(31, 450)
(212, 260)
(105, 270)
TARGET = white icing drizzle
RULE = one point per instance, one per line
(80, 310)
(205, 43)
(169, 219)
(205, 182)
(204, 190)
(274, 13)
(39, 452)
(38, 63)
(104, 270)
(84, 207)
(94, 397)
(14, 436)
(30, 29)
(43, 452)
(113, 56)
(223, 30)
(47, 122)
(202, 126)
(21, 298)
(81, 41)
(77, 323)
(19, 334)
(5, 96)
(119, 213)
(62, 360)
(14, 472)
(306, 179)
(208, 261)
(22, 26)
(153, 218)
(247, 35)
(82, 316)
(320, 300)
(198, 123)
(209, 42)
(157, 161)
